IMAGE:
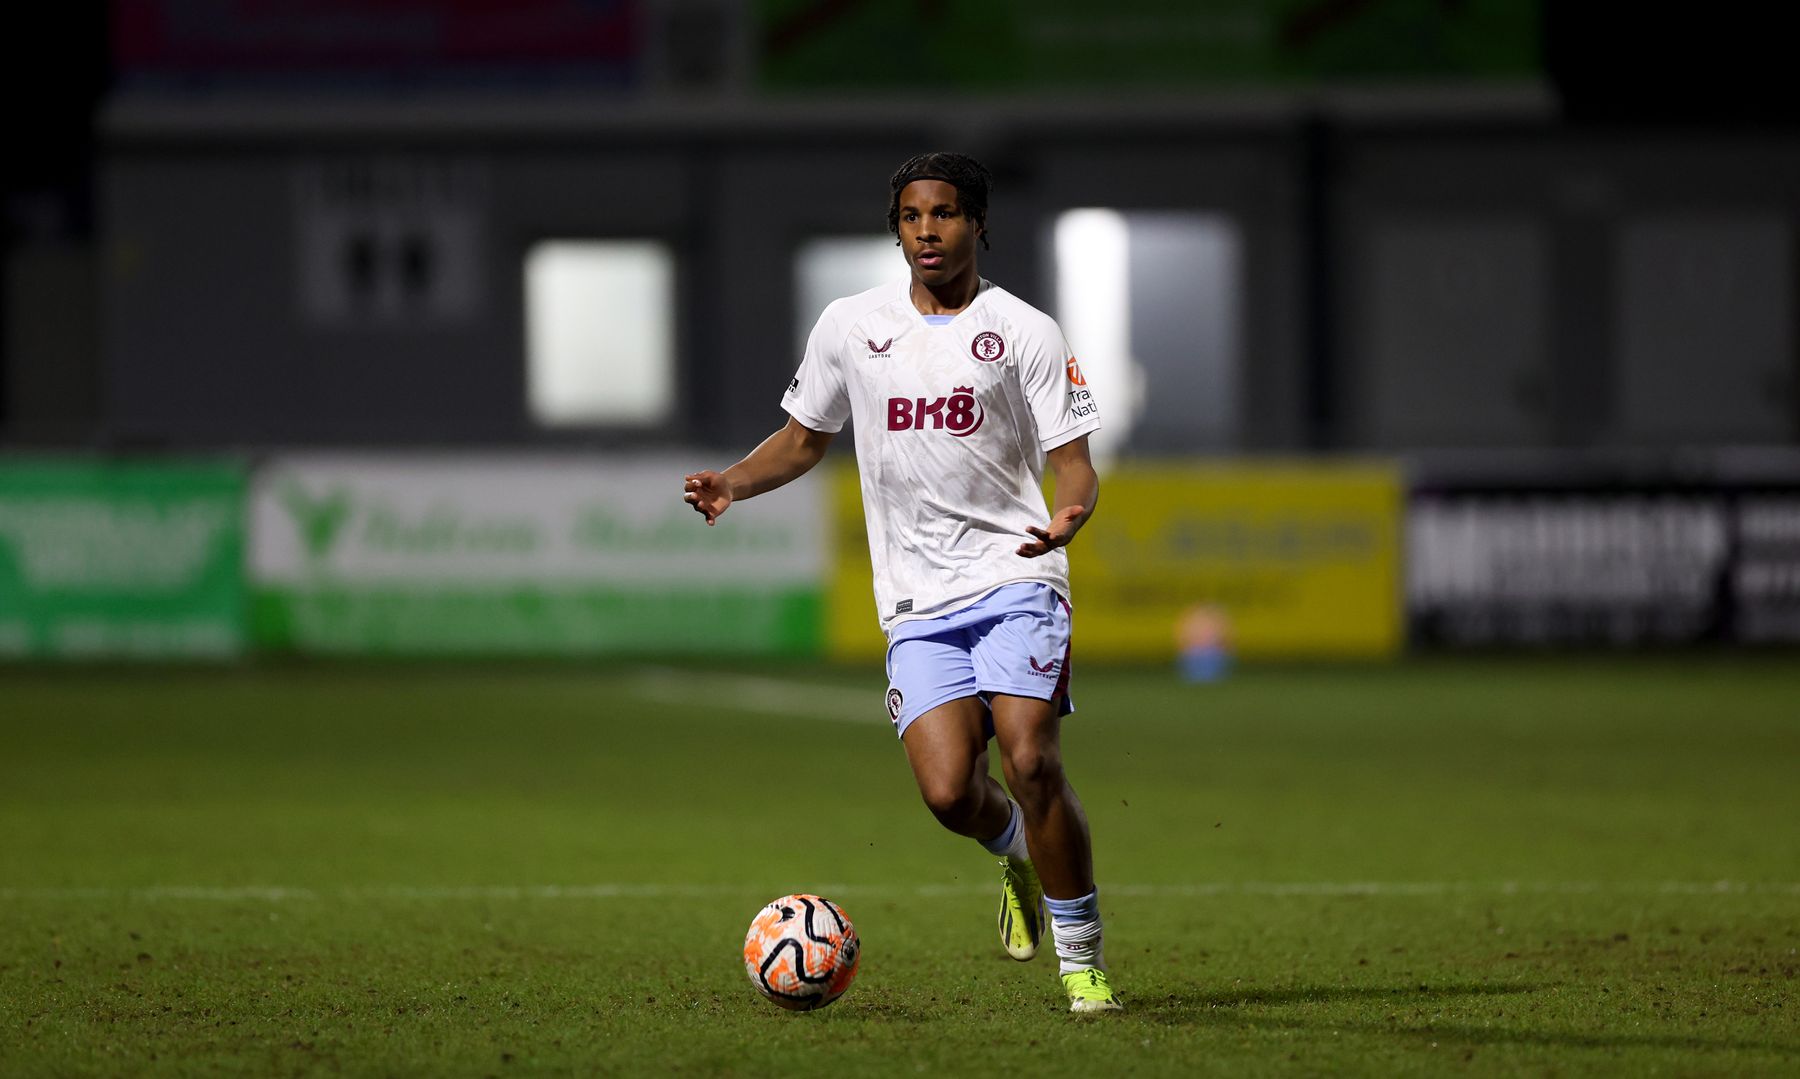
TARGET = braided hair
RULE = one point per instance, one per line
(967, 175)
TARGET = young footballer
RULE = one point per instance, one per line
(960, 392)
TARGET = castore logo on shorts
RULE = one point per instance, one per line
(959, 413)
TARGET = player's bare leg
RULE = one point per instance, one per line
(947, 748)
(1030, 735)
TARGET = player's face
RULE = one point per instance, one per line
(938, 238)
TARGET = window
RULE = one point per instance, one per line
(832, 267)
(1149, 302)
(599, 330)
(1453, 331)
(1705, 329)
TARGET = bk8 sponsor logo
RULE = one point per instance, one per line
(959, 413)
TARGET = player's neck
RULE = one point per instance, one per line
(947, 298)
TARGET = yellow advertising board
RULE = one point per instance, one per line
(1297, 560)
(851, 629)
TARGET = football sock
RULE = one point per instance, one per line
(1076, 926)
(1010, 843)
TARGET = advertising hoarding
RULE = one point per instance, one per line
(1571, 564)
(1056, 45)
(1288, 561)
(541, 555)
(101, 560)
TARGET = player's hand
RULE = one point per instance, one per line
(709, 493)
(1061, 531)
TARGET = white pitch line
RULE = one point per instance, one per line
(1197, 890)
(749, 693)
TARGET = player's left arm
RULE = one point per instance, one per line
(1077, 492)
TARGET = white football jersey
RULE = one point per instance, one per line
(952, 423)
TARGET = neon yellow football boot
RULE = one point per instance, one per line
(1089, 991)
(1022, 917)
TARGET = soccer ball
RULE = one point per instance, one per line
(801, 952)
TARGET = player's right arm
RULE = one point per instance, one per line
(817, 403)
(783, 457)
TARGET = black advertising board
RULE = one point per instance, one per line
(1549, 564)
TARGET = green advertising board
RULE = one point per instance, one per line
(508, 555)
(103, 559)
(1048, 45)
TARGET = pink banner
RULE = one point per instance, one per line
(272, 37)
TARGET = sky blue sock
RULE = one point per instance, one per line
(1002, 844)
(1077, 932)
(1085, 909)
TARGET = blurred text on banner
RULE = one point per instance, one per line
(112, 559)
(1293, 560)
(525, 555)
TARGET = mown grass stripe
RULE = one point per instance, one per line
(1199, 889)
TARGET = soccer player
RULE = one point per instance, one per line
(960, 392)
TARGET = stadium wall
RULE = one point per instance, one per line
(1410, 282)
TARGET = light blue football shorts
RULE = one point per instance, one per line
(1014, 640)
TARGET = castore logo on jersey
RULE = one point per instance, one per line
(881, 348)
(960, 413)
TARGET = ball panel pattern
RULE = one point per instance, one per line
(802, 952)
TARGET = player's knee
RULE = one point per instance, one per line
(1033, 773)
(953, 802)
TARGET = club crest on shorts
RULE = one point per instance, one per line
(894, 700)
(988, 347)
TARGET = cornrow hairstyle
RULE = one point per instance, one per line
(970, 178)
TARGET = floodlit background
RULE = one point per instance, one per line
(1414, 326)
(370, 703)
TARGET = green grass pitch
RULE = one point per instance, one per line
(1548, 867)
